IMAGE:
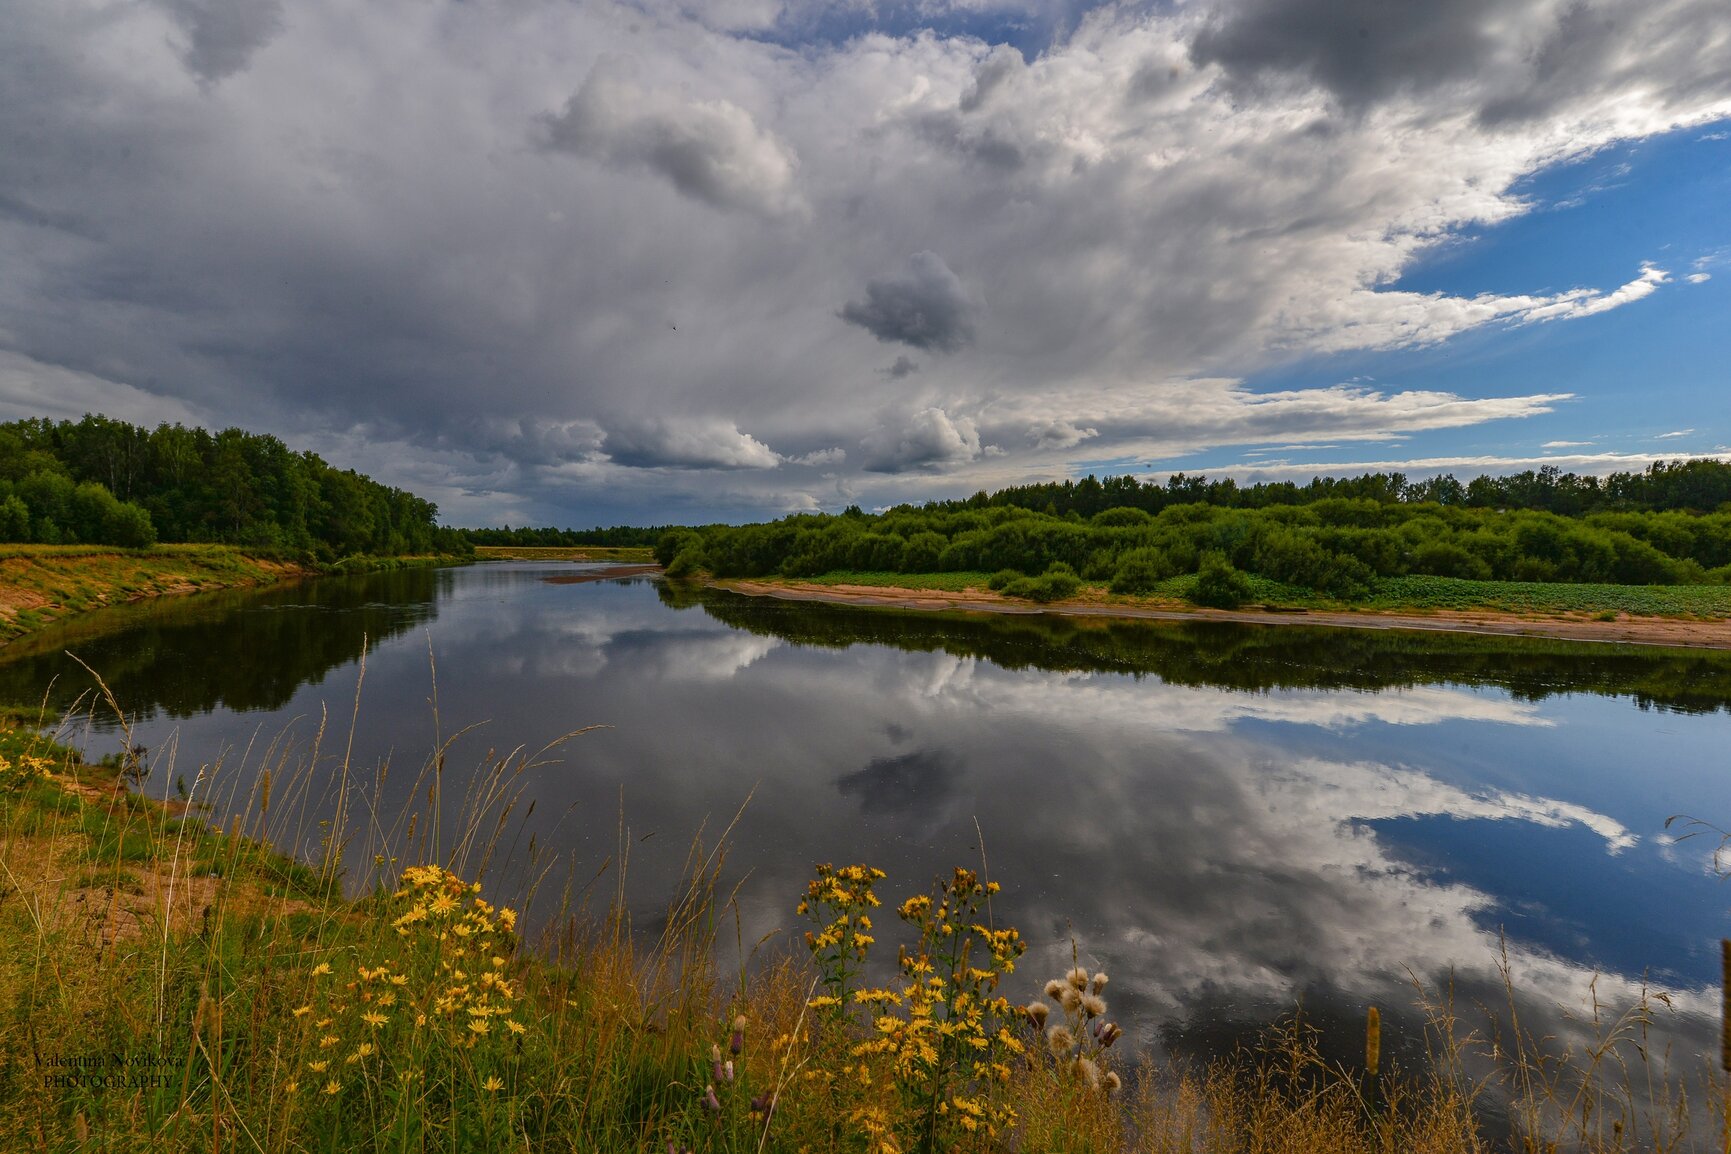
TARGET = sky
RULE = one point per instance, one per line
(575, 263)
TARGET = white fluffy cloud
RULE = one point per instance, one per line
(605, 247)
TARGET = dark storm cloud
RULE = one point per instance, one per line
(222, 35)
(928, 308)
(1361, 50)
(1511, 61)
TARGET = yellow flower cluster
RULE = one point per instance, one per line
(447, 906)
(22, 770)
(846, 894)
(451, 986)
(942, 1040)
(839, 901)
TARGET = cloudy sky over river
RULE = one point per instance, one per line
(581, 262)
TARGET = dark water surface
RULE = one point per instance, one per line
(1228, 819)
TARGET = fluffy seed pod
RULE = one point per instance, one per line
(1099, 981)
(1037, 1012)
(1093, 1005)
(1059, 1039)
(1054, 988)
(1078, 978)
(1113, 1082)
(1086, 1071)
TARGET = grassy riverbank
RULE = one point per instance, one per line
(176, 984)
(44, 584)
(41, 584)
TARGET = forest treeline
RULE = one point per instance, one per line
(619, 536)
(1668, 525)
(99, 481)
(1699, 486)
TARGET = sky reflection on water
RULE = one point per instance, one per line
(1220, 851)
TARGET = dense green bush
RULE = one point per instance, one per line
(1219, 585)
(1140, 570)
(1055, 584)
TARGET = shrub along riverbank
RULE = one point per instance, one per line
(175, 983)
(1337, 551)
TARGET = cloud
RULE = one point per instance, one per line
(29, 388)
(1564, 444)
(1675, 433)
(927, 308)
(904, 366)
(471, 233)
(687, 444)
(1505, 61)
(709, 150)
(1585, 303)
(223, 35)
(820, 457)
(1699, 277)
(929, 439)
(1058, 434)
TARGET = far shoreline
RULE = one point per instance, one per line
(1626, 629)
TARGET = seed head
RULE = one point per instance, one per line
(1037, 1012)
(1059, 1039)
(1113, 1082)
(1099, 981)
(1078, 977)
(1093, 1004)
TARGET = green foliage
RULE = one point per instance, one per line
(101, 481)
(1056, 583)
(1141, 570)
(1219, 585)
(1340, 540)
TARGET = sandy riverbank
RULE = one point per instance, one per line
(1626, 629)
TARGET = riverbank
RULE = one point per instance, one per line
(43, 584)
(1700, 629)
(618, 554)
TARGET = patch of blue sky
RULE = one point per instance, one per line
(1031, 29)
(1639, 372)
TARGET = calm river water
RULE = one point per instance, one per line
(1227, 819)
